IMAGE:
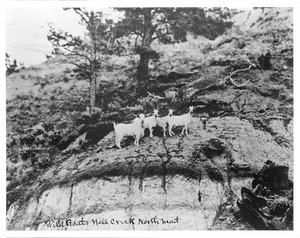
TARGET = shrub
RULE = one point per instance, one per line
(66, 79)
(67, 70)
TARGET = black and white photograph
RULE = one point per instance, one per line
(149, 118)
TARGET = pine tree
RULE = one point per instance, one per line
(168, 25)
(88, 54)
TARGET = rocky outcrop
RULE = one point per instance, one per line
(180, 182)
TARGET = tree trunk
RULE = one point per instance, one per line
(93, 84)
(143, 72)
(93, 91)
(143, 67)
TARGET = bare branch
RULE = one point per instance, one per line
(154, 96)
(234, 72)
(136, 39)
(238, 85)
(73, 53)
(138, 33)
(83, 69)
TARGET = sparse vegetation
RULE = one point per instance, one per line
(11, 67)
(52, 101)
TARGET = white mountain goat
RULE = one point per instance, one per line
(150, 122)
(133, 129)
(163, 121)
(182, 120)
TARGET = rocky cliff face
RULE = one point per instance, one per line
(186, 182)
(180, 182)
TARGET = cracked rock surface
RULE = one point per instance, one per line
(166, 183)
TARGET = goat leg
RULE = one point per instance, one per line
(118, 143)
(151, 131)
(183, 130)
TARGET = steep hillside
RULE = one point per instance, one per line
(65, 173)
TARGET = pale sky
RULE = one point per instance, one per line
(26, 31)
(27, 28)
